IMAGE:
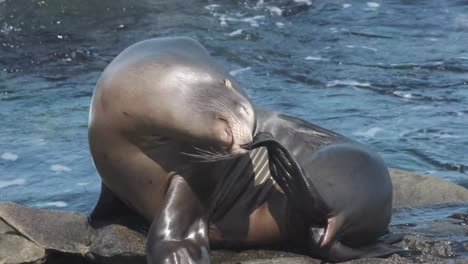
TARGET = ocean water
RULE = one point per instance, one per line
(391, 74)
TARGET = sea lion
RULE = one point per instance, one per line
(340, 190)
(157, 105)
(171, 135)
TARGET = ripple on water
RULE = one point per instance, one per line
(59, 204)
(59, 168)
(369, 133)
(239, 71)
(9, 156)
(347, 83)
(5, 184)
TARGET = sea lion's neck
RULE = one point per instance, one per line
(267, 121)
(294, 133)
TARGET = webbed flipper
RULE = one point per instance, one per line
(179, 234)
(289, 175)
(339, 252)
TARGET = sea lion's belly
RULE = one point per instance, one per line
(249, 206)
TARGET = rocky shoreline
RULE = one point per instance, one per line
(31, 235)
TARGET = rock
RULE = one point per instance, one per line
(57, 230)
(412, 189)
(30, 235)
(115, 244)
(17, 249)
(259, 257)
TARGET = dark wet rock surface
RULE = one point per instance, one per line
(30, 235)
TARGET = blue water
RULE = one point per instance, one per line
(392, 74)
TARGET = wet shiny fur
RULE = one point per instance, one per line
(159, 158)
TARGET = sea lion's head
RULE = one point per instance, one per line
(175, 90)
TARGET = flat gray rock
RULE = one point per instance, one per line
(413, 189)
(15, 248)
(57, 230)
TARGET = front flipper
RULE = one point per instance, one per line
(179, 234)
(288, 173)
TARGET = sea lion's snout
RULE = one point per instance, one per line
(244, 129)
(224, 132)
(238, 125)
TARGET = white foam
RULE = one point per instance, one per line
(82, 183)
(373, 6)
(403, 94)
(252, 20)
(59, 168)
(279, 24)
(307, 2)
(235, 33)
(346, 6)
(222, 20)
(347, 82)
(369, 48)
(371, 132)
(212, 7)
(312, 58)
(9, 156)
(6, 28)
(444, 135)
(53, 204)
(274, 10)
(422, 107)
(238, 71)
(4, 184)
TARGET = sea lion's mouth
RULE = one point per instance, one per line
(259, 140)
(228, 138)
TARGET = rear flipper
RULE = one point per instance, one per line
(339, 252)
(179, 234)
(111, 210)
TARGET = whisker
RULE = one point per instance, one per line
(205, 155)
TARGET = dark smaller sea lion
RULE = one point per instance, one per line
(340, 189)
